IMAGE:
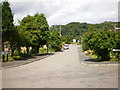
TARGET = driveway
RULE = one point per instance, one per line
(62, 70)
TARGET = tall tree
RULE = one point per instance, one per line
(55, 40)
(0, 28)
(43, 27)
(35, 31)
(7, 22)
(8, 29)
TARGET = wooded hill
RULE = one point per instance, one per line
(76, 29)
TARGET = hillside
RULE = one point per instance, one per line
(76, 29)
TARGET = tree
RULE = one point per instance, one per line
(35, 31)
(8, 29)
(0, 29)
(43, 26)
(55, 40)
(7, 22)
(67, 39)
(77, 29)
(102, 42)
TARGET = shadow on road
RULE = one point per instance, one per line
(32, 57)
(26, 60)
(90, 60)
(44, 54)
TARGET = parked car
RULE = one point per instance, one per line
(66, 46)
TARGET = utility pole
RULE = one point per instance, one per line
(47, 44)
(60, 31)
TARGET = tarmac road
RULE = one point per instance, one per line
(62, 70)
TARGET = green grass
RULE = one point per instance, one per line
(17, 57)
(23, 56)
(93, 56)
(113, 59)
(51, 50)
(42, 50)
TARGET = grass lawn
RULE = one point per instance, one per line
(43, 50)
(23, 56)
(113, 59)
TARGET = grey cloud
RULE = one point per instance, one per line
(62, 12)
(21, 9)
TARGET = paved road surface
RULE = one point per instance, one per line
(62, 70)
(16, 63)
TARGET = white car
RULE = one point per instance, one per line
(66, 46)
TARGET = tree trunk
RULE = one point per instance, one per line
(27, 49)
(37, 49)
(19, 50)
(33, 49)
(12, 49)
(47, 48)
(7, 58)
(12, 52)
(3, 56)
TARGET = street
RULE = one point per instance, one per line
(62, 70)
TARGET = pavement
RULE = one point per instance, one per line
(16, 63)
(61, 70)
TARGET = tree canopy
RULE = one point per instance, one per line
(34, 30)
(76, 29)
(7, 22)
(102, 42)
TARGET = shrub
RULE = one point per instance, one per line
(102, 42)
(89, 52)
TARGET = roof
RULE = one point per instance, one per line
(6, 42)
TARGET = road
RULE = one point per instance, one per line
(62, 70)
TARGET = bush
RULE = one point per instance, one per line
(55, 41)
(89, 52)
(117, 56)
(16, 52)
(102, 42)
(42, 50)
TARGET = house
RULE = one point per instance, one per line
(117, 29)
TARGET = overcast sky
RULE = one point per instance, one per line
(65, 11)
